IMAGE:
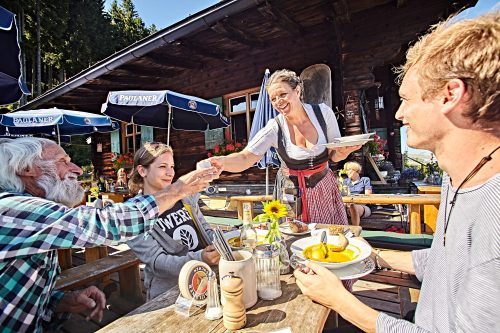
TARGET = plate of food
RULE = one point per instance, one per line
(352, 140)
(296, 228)
(354, 271)
(310, 248)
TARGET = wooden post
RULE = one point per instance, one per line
(415, 219)
(130, 284)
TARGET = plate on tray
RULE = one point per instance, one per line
(352, 140)
(285, 228)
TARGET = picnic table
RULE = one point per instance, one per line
(415, 203)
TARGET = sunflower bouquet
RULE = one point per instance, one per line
(273, 211)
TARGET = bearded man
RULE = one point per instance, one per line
(38, 188)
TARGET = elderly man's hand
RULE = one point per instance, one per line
(320, 285)
(90, 301)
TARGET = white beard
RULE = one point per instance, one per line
(67, 191)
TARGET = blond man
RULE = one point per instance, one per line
(451, 106)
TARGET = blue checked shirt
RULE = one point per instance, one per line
(32, 229)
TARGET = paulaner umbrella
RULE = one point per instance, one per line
(264, 112)
(12, 86)
(55, 122)
(164, 109)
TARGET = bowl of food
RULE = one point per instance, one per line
(311, 248)
(233, 238)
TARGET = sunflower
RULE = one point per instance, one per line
(274, 209)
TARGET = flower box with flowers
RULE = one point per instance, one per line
(123, 161)
(226, 149)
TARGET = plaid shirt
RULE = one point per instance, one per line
(32, 228)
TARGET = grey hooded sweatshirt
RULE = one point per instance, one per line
(164, 256)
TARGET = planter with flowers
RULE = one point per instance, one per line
(123, 161)
(376, 147)
(228, 147)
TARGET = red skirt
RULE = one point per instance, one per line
(325, 202)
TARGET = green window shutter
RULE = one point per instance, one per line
(146, 134)
(215, 136)
(115, 142)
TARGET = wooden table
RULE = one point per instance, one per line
(414, 202)
(158, 315)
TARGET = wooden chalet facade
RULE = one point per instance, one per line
(221, 53)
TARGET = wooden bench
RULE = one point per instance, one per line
(125, 263)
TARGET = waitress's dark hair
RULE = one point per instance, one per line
(288, 76)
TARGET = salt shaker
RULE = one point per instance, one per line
(235, 316)
(267, 265)
(214, 308)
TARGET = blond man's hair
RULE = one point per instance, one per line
(468, 50)
(351, 165)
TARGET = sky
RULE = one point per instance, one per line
(164, 13)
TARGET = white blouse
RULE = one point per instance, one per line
(267, 137)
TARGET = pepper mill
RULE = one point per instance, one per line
(234, 313)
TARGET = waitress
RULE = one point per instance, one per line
(297, 133)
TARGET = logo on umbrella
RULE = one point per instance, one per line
(87, 121)
(192, 105)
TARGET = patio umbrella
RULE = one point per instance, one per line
(12, 86)
(55, 122)
(264, 112)
(164, 109)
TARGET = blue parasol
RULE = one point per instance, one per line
(164, 109)
(56, 122)
(12, 86)
(264, 112)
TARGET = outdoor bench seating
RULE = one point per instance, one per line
(125, 263)
(397, 241)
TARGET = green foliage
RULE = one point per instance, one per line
(79, 151)
(74, 34)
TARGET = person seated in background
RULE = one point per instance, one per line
(179, 235)
(121, 180)
(357, 185)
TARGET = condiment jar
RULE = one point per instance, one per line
(267, 266)
(214, 308)
(234, 313)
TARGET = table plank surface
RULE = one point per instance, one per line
(387, 199)
(159, 315)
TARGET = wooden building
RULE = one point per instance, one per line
(221, 54)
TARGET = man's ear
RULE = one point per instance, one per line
(453, 94)
(28, 172)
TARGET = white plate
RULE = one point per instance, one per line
(346, 143)
(355, 271)
(362, 248)
(285, 228)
